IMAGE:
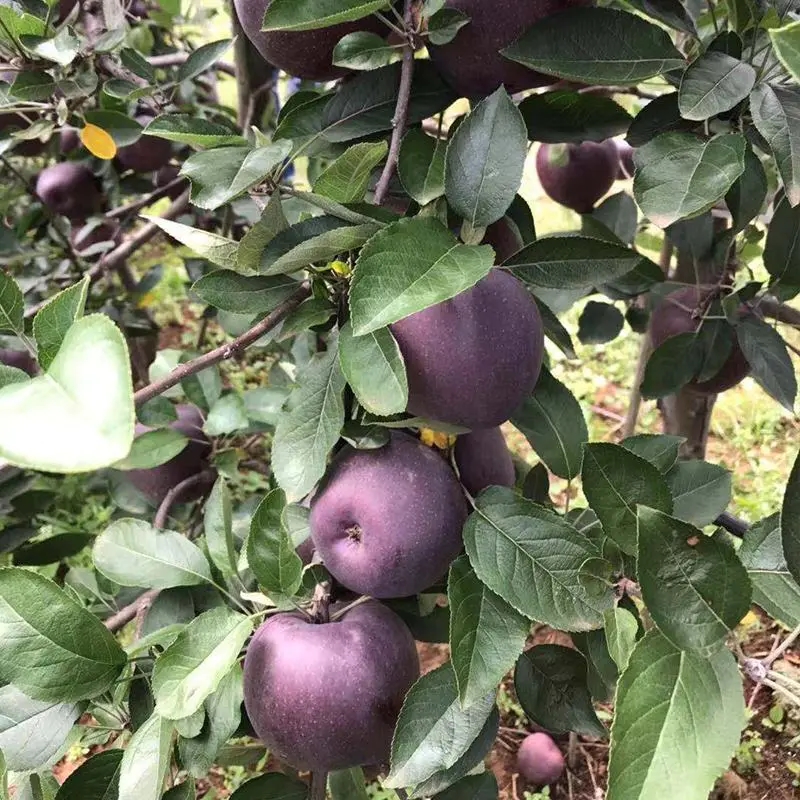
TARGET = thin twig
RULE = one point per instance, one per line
(147, 200)
(400, 119)
(176, 59)
(125, 615)
(783, 647)
(175, 493)
(224, 351)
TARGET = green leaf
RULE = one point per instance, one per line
(146, 760)
(770, 364)
(306, 15)
(220, 175)
(272, 786)
(309, 429)
(746, 197)
(433, 730)
(790, 521)
(411, 265)
(485, 160)
(96, 779)
(211, 246)
(312, 312)
(700, 491)
(374, 368)
(271, 552)
(615, 481)
(786, 44)
(445, 24)
(550, 681)
(486, 634)
(52, 323)
(658, 116)
(781, 251)
(348, 784)
(673, 708)
(364, 51)
(552, 421)
(775, 111)
(679, 176)
(660, 450)
(201, 59)
(421, 166)
(673, 364)
(596, 45)
(60, 49)
(186, 129)
(563, 116)
(600, 323)
(695, 588)
(714, 83)
(132, 553)
(182, 791)
(508, 535)
(79, 416)
(32, 732)
(272, 222)
(191, 668)
(244, 294)
(474, 787)
(153, 448)
(51, 550)
(53, 648)
(124, 130)
(12, 306)
(572, 262)
(622, 629)
(347, 179)
(218, 528)
(227, 415)
(223, 716)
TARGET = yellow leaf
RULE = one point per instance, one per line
(98, 142)
(340, 268)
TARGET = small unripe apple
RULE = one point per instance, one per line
(70, 189)
(326, 696)
(539, 760)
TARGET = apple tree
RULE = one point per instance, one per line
(318, 479)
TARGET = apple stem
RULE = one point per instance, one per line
(320, 608)
(319, 785)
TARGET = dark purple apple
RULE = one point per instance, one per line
(304, 54)
(539, 760)
(147, 153)
(166, 175)
(472, 64)
(30, 148)
(483, 460)
(69, 140)
(84, 238)
(138, 9)
(472, 360)
(65, 8)
(675, 315)
(156, 482)
(626, 165)
(387, 522)
(577, 175)
(504, 237)
(20, 359)
(70, 189)
(326, 696)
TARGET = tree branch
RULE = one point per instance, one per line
(224, 351)
(772, 307)
(125, 615)
(173, 495)
(176, 59)
(147, 200)
(400, 119)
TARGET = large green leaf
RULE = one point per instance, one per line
(775, 112)
(79, 416)
(786, 43)
(790, 521)
(347, 179)
(146, 760)
(714, 83)
(782, 248)
(615, 481)
(660, 450)
(310, 427)
(131, 552)
(421, 166)
(485, 160)
(53, 648)
(599, 46)
(679, 175)
(411, 265)
(186, 129)
(374, 368)
(191, 668)
(52, 323)
(96, 779)
(674, 708)
(550, 681)
(218, 529)
(532, 558)
(769, 360)
(486, 634)
(244, 294)
(621, 631)
(272, 222)
(32, 732)
(572, 262)
(746, 197)
(305, 15)
(433, 730)
(211, 246)
(695, 588)
(700, 491)
(552, 421)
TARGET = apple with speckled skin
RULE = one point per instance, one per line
(483, 460)
(539, 760)
(472, 360)
(326, 696)
(387, 522)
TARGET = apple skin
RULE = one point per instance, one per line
(539, 760)
(155, 483)
(304, 54)
(671, 318)
(71, 189)
(148, 153)
(473, 359)
(588, 173)
(472, 64)
(504, 238)
(324, 697)
(20, 359)
(387, 522)
(69, 140)
(483, 460)
(65, 8)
